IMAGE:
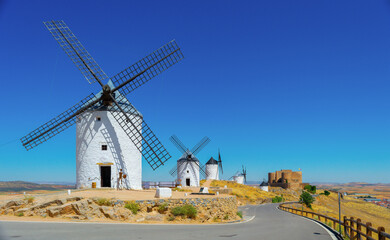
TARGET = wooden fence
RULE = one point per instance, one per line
(349, 227)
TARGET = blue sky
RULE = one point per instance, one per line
(274, 84)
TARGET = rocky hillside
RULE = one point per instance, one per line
(191, 210)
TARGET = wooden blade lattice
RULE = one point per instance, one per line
(58, 124)
(76, 51)
(147, 68)
(140, 133)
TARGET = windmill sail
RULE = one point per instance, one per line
(76, 51)
(57, 124)
(141, 135)
(125, 82)
(147, 68)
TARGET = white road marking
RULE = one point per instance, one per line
(309, 219)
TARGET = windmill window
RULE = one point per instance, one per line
(188, 171)
(98, 119)
(104, 147)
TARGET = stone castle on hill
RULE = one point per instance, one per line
(286, 179)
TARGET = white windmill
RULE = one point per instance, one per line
(213, 166)
(239, 177)
(188, 167)
(264, 185)
(107, 121)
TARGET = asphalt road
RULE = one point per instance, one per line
(269, 223)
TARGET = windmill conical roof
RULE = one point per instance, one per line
(184, 157)
(263, 184)
(212, 161)
(123, 102)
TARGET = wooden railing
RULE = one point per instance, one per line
(348, 227)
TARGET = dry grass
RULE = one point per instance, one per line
(351, 207)
(248, 194)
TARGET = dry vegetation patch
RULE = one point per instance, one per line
(253, 195)
(351, 207)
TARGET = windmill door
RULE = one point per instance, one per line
(105, 172)
(188, 182)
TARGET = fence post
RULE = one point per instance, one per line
(345, 226)
(368, 229)
(334, 225)
(319, 218)
(380, 235)
(352, 228)
(358, 228)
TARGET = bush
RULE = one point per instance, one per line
(190, 211)
(310, 188)
(20, 214)
(163, 208)
(226, 217)
(239, 213)
(170, 218)
(277, 199)
(132, 206)
(103, 202)
(30, 199)
(186, 210)
(306, 199)
(178, 211)
(326, 193)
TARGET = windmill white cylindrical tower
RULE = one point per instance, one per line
(264, 186)
(212, 169)
(103, 150)
(239, 179)
(188, 172)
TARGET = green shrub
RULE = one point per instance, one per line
(306, 199)
(163, 208)
(226, 217)
(310, 188)
(277, 199)
(103, 202)
(132, 206)
(30, 199)
(239, 213)
(186, 210)
(177, 211)
(326, 193)
(20, 214)
(190, 211)
(170, 218)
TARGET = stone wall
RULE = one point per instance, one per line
(215, 209)
(286, 179)
(208, 208)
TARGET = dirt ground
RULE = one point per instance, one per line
(125, 195)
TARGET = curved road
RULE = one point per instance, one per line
(269, 223)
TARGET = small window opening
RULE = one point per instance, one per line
(98, 119)
(104, 147)
(188, 171)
